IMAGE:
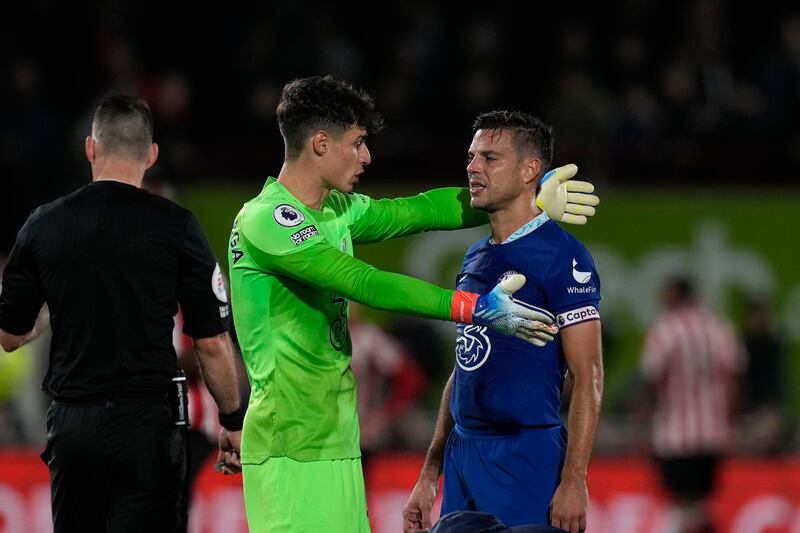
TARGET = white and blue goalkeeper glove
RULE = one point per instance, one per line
(564, 200)
(499, 311)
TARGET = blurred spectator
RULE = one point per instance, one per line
(171, 97)
(765, 428)
(696, 81)
(635, 128)
(390, 383)
(482, 44)
(682, 112)
(780, 77)
(689, 365)
(29, 143)
(580, 114)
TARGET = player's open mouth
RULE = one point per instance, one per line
(475, 188)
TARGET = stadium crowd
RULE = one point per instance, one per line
(644, 93)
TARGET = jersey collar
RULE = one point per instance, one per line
(270, 181)
(529, 227)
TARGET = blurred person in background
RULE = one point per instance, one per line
(112, 262)
(764, 428)
(389, 381)
(499, 437)
(690, 365)
(292, 275)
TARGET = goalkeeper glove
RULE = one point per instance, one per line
(564, 200)
(499, 311)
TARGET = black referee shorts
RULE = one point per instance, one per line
(116, 466)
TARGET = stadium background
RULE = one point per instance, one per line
(685, 115)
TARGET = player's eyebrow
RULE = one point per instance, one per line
(483, 153)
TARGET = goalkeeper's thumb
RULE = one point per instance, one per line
(502, 295)
(511, 284)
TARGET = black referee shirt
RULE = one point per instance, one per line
(113, 262)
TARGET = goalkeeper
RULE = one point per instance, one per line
(292, 274)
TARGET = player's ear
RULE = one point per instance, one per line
(531, 169)
(319, 142)
(89, 147)
(152, 156)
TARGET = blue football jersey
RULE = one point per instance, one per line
(503, 383)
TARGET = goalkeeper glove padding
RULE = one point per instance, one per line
(564, 200)
(499, 311)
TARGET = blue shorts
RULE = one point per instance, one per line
(513, 477)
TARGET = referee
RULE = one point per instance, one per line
(113, 262)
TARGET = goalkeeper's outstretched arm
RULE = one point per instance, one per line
(444, 208)
(447, 208)
(323, 266)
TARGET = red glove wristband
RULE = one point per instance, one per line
(462, 306)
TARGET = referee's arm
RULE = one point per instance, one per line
(21, 296)
(11, 342)
(218, 370)
(201, 294)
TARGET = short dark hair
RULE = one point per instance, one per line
(530, 134)
(123, 125)
(323, 103)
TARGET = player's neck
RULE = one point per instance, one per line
(304, 182)
(505, 222)
(118, 170)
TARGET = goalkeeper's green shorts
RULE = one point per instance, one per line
(288, 496)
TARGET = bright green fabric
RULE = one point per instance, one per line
(444, 208)
(282, 495)
(292, 274)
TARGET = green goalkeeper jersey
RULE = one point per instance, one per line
(292, 273)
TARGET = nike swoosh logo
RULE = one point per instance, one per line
(461, 278)
(577, 275)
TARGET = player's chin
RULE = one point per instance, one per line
(477, 203)
(351, 184)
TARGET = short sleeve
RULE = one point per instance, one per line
(201, 287)
(573, 287)
(22, 294)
